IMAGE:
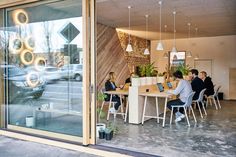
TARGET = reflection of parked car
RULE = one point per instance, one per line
(18, 86)
(72, 71)
(48, 73)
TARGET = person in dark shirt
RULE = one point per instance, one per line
(110, 85)
(208, 84)
(197, 83)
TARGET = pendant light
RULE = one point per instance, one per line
(146, 51)
(189, 54)
(129, 46)
(160, 45)
(165, 55)
(174, 48)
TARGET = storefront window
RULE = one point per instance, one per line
(43, 68)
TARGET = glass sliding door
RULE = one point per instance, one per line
(44, 68)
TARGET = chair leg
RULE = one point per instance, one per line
(193, 114)
(204, 107)
(218, 101)
(186, 116)
(199, 109)
(214, 100)
(171, 115)
(144, 109)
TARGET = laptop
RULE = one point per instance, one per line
(169, 85)
(160, 87)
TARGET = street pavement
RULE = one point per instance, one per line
(10, 147)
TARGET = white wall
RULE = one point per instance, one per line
(221, 49)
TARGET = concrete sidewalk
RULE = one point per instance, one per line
(10, 147)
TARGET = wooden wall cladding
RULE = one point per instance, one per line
(111, 54)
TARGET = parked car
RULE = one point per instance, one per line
(49, 73)
(72, 71)
(17, 83)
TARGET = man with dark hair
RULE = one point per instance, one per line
(197, 84)
(183, 89)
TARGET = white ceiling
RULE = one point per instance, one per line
(211, 17)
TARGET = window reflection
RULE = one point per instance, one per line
(43, 68)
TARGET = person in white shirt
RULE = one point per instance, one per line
(183, 90)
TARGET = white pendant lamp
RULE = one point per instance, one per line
(174, 48)
(160, 45)
(129, 46)
(189, 54)
(146, 51)
(165, 55)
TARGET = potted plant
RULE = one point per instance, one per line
(142, 72)
(101, 114)
(184, 69)
(101, 133)
(149, 73)
(110, 130)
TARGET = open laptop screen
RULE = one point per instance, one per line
(160, 87)
(169, 85)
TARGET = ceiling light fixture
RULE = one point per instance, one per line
(146, 51)
(165, 55)
(174, 48)
(189, 54)
(129, 46)
(160, 45)
(196, 31)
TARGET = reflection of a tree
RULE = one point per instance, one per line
(48, 29)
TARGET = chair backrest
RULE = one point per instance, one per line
(189, 100)
(200, 98)
(103, 90)
(217, 91)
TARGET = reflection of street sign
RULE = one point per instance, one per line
(69, 32)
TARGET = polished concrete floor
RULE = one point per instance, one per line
(212, 136)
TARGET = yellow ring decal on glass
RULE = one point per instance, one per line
(20, 17)
(29, 43)
(40, 63)
(27, 57)
(31, 81)
(15, 45)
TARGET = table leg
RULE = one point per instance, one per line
(144, 109)
(164, 116)
(122, 107)
(157, 108)
(108, 113)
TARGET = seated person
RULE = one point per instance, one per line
(208, 84)
(183, 89)
(128, 80)
(110, 86)
(196, 83)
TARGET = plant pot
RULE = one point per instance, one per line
(160, 79)
(135, 82)
(148, 80)
(100, 126)
(108, 135)
(29, 121)
(101, 134)
(143, 81)
(154, 80)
